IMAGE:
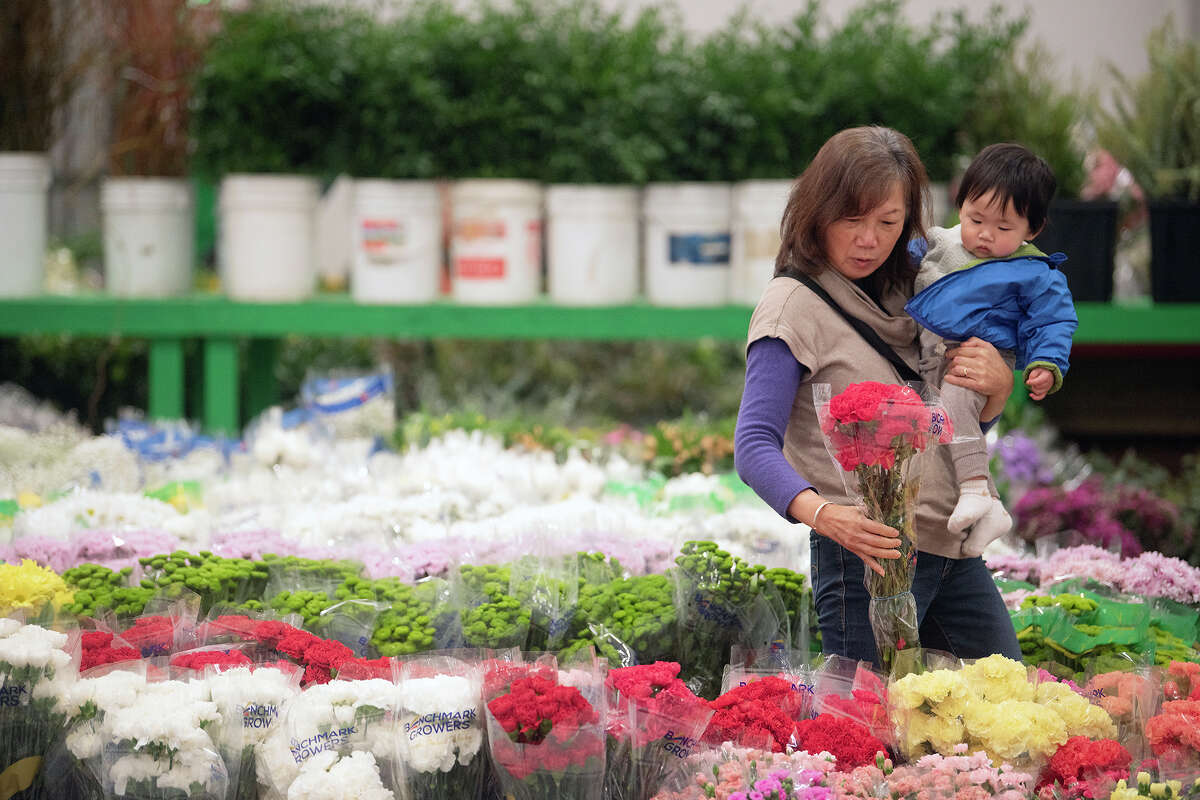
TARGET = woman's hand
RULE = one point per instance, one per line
(849, 527)
(866, 538)
(977, 365)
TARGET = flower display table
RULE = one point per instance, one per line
(221, 323)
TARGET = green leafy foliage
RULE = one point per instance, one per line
(1153, 127)
(566, 91)
(1022, 102)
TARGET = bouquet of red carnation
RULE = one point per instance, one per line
(1174, 735)
(875, 433)
(152, 635)
(1083, 768)
(100, 648)
(654, 723)
(219, 656)
(546, 740)
(849, 742)
(760, 714)
(858, 694)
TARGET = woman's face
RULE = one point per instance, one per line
(857, 246)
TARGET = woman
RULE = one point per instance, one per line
(847, 225)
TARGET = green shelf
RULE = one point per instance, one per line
(220, 323)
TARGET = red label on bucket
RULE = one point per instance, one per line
(479, 268)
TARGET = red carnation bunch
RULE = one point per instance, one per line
(1182, 681)
(151, 636)
(271, 632)
(536, 707)
(97, 650)
(1174, 733)
(361, 669)
(872, 424)
(760, 714)
(199, 659)
(1082, 768)
(849, 742)
(649, 685)
(541, 733)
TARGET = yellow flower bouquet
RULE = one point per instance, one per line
(991, 706)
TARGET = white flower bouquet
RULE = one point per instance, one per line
(35, 669)
(159, 747)
(250, 700)
(335, 741)
(442, 730)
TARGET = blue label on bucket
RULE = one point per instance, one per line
(706, 249)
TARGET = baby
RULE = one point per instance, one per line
(982, 278)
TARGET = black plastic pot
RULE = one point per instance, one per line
(1086, 230)
(1174, 251)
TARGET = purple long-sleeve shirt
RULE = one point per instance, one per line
(773, 376)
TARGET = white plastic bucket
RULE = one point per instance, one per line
(397, 237)
(687, 246)
(24, 196)
(266, 248)
(496, 241)
(592, 244)
(148, 236)
(757, 211)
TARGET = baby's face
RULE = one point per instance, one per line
(989, 231)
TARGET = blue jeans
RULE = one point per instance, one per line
(959, 609)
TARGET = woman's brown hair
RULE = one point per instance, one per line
(852, 173)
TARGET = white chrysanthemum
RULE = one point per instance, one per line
(182, 771)
(87, 509)
(34, 646)
(145, 722)
(250, 702)
(360, 708)
(328, 777)
(439, 718)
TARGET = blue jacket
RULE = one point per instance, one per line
(1020, 304)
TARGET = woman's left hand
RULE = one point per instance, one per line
(977, 365)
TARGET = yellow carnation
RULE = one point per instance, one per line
(1012, 729)
(1080, 717)
(923, 734)
(942, 690)
(997, 678)
(31, 587)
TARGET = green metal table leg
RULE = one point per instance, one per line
(166, 379)
(262, 389)
(221, 388)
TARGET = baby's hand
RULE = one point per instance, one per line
(1040, 381)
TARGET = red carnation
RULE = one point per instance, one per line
(199, 659)
(849, 742)
(1085, 768)
(762, 714)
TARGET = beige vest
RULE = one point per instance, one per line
(836, 354)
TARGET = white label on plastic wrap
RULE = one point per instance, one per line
(259, 716)
(304, 749)
(679, 746)
(439, 722)
(11, 694)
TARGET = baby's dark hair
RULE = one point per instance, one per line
(1012, 173)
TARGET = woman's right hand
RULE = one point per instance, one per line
(861, 535)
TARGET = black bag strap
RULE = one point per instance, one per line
(864, 330)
